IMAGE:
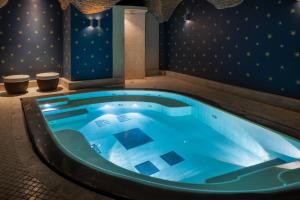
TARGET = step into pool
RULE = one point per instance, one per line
(163, 140)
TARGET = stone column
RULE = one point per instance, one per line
(135, 33)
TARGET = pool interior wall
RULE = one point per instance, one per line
(172, 140)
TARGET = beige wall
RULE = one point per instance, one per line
(134, 43)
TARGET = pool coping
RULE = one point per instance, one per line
(267, 123)
(38, 127)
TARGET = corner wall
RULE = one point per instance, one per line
(30, 37)
(67, 44)
(88, 45)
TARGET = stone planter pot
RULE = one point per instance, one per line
(16, 84)
(47, 81)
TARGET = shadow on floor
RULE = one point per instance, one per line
(5, 94)
(46, 92)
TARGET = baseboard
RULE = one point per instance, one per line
(272, 99)
(152, 72)
(96, 83)
(74, 85)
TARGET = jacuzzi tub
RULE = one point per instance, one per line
(145, 144)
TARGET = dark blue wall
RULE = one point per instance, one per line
(91, 47)
(30, 37)
(163, 46)
(67, 44)
(254, 45)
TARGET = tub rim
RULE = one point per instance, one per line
(32, 110)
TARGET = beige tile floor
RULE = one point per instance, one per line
(16, 148)
(34, 180)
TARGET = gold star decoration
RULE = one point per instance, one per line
(293, 33)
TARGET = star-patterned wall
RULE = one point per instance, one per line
(67, 44)
(254, 45)
(90, 40)
(30, 37)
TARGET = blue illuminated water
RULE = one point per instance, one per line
(189, 143)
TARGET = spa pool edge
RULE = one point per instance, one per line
(57, 159)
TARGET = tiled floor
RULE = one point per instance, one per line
(24, 176)
(15, 181)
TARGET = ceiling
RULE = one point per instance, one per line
(162, 8)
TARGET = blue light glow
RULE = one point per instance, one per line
(188, 142)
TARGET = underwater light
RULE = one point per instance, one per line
(135, 105)
(107, 107)
(48, 109)
(47, 105)
(108, 117)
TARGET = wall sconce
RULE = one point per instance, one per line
(94, 23)
(90, 27)
(187, 16)
(98, 24)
